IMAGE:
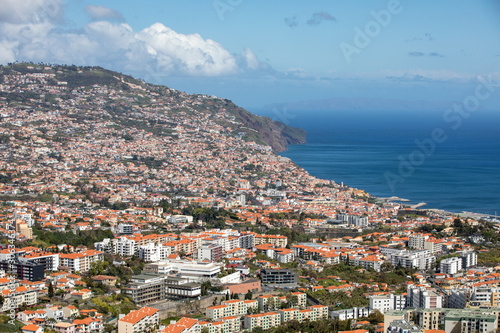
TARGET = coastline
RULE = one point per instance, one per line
(361, 164)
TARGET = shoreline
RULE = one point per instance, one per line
(466, 210)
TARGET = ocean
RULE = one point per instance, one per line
(452, 165)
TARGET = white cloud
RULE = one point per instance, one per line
(190, 54)
(101, 12)
(30, 11)
(251, 59)
(7, 51)
(29, 31)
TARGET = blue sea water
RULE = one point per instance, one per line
(378, 152)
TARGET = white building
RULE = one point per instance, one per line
(27, 217)
(487, 296)
(421, 259)
(153, 252)
(138, 321)
(353, 313)
(469, 259)
(450, 265)
(416, 241)
(421, 297)
(125, 229)
(124, 246)
(193, 271)
(385, 303)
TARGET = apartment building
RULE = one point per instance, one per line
(246, 241)
(210, 252)
(279, 276)
(469, 259)
(81, 261)
(15, 297)
(276, 240)
(353, 313)
(263, 320)
(486, 296)
(138, 321)
(49, 260)
(421, 259)
(471, 320)
(450, 265)
(231, 308)
(153, 252)
(421, 297)
(385, 303)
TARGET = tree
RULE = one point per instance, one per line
(249, 294)
(376, 317)
(51, 290)
(205, 330)
(271, 304)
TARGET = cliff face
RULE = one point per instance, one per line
(123, 95)
(274, 133)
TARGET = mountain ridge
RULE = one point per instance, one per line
(66, 78)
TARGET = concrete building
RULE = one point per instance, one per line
(485, 296)
(233, 307)
(49, 260)
(194, 271)
(403, 326)
(385, 303)
(421, 297)
(279, 277)
(263, 320)
(450, 266)
(246, 241)
(469, 259)
(457, 299)
(453, 320)
(146, 288)
(153, 252)
(124, 246)
(210, 252)
(138, 321)
(125, 229)
(16, 296)
(80, 261)
(421, 259)
(254, 285)
(416, 241)
(471, 321)
(353, 313)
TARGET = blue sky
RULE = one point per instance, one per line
(258, 52)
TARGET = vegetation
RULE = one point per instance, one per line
(86, 237)
(114, 304)
(6, 325)
(342, 300)
(350, 273)
(489, 257)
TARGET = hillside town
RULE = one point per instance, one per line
(128, 207)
